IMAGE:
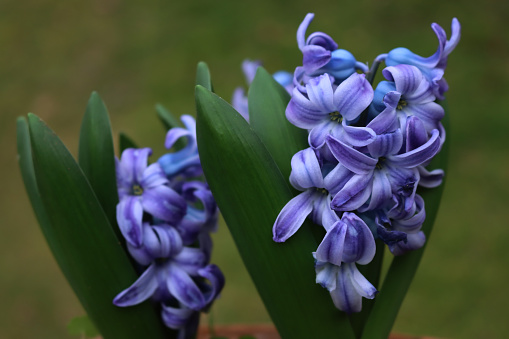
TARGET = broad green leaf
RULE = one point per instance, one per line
(250, 192)
(267, 105)
(83, 242)
(403, 268)
(83, 327)
(124, 142)
(96, 157)
(203, 76)
(27, 173)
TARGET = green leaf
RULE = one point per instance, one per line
(96, 157)
(82, 326)
(203, 76)
(267, 105)
(83, 242)
(403, 268)
(125, 142)
(250, 192)
(27, 173)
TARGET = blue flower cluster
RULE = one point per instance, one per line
(166, 216)
(368, 154)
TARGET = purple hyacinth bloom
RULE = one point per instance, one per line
(185, 161)
(159, 241)
(316, 49)
(411, 95)
(180, 278)
(348, 240)
(321, 55)
(315, 199)
(327, 110)
(202, 212)
(345, 284)
(433, 67)
(144, 188)
(380, 173)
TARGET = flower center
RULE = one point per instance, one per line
(137, 190)
(380, 162)
(402, 103)
(322, 190)
(336, 116)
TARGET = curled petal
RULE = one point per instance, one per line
(430, 179)
(153, 176)
(407, 78)
(359, 244)
(320, 93)
(191, 260)
(292, 216)
(301, 31)
(326, 274)
(174, 317)
(133, 163)
(141, 290)
(337, 178)
(354, 194)
(381, 192)
(216, 278)
(414, 223)
(352, 159)
(353, 96)
(416, 134)
(306, 171)
(314, 57)
(319, 133)
(413, 242)
(419, 155)
(331, 248)
(351, 286)
(302, 112)
(357, 136)
(184, 289)
(129, 219)
(386, 144)
(164, 203)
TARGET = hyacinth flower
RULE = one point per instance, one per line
(358, 157)
(175, 253)
(411, 95)
(326, 110)
(433, 66)
(315, 199)
(381, 172)
(320, 54)
(185, 161)
(144, 188)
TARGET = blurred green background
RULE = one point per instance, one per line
(135, 54)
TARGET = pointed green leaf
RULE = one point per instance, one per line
(250, 193)
(403, 268)
(203, 76)
(267, 105)
(96, 157)
(83, 242)
(83, 327)
(124, 142)
(27, 172)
